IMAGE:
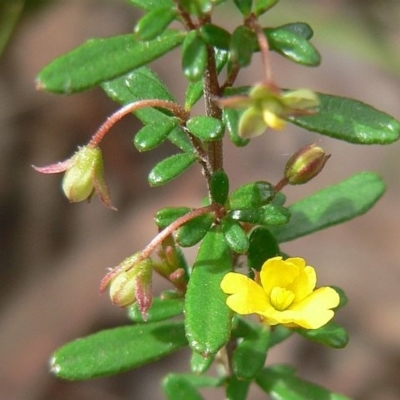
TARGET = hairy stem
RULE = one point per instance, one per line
(176, 109)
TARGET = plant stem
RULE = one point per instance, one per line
(157, 240)
(212, 91)
(176, 109)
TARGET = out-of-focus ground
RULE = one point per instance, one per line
(54, 254)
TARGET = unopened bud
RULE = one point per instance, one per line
(131, 282)
(305, 164)
(86, 165)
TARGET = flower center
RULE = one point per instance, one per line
(281, 298)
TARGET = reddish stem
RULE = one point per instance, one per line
(176, 109)
(177, 224)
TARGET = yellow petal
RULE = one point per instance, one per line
(300, 99)
(305, 282)
(251, 123)
(247, 297)
(272, 120)
(316, 309)
(277, 272)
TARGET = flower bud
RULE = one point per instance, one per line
(305, 164)
(78, 183)
(131, 282)
(84, 175)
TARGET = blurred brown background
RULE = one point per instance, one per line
(54, 254)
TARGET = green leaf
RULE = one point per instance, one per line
(279, 333)
(242, 45)
(215, 36)
(152, 135)
(244, 6)
(177, 387)
(168, 215)
(331, 334)
(251, 195)
(193, 231)
(150, 5)
(261, 6)
(235, 236)
(250, 355)
(205, 301)
(196, 7)
(343, 298)
(350, 120)
(300, 29)
(231, 119)
(237, 389)
(195, 89)
(194, 56)
(219, 186)
(100, 60)
(331, 206)
(159, 310)
(294, 47)
(141, 84)
(155, 22)
(199, 364)
(113, 351)
(263, 246)
(281, 384)
(170, 168)
(207, 129)
(266, 215)
(184, 386)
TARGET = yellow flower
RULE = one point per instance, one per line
(266, 106)
(285, 295)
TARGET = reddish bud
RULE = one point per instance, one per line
(305, 164)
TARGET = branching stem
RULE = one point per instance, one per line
(176, 109)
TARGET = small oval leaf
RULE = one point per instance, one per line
(160, 310)
(195, 89)
(262, 6)
(170, 168)
(231, 119)
(215, 36)
(99, 60)
(331, 334)
(250, 355)
(235, 236)
(140, 84)
(207, 129)
(263, 246)
(152, 135)
(194, 56)
(155, 22)
(281, 383)
(150, 5)
(116, 350)
(177, 387)
(251, 195)
(200, 364)
(244, 6)
(331, 206)
(350, 120)
(168, 215)
(205, 301)
(193, 231)
(219, 186)
(266, 215)
(295, 47)
(242, 45)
